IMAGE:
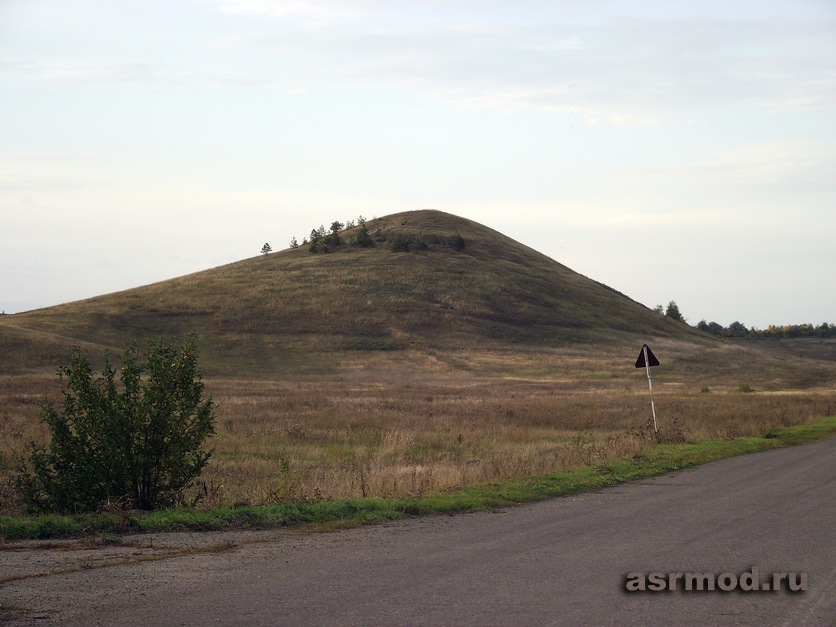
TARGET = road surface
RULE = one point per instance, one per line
(565, 561)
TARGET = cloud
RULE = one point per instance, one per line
(283, 9)
(761, 170)
(802, 165)
(643, 220)
(632, 71)
(609, 62)
(140, 74)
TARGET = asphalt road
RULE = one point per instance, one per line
(563, 561)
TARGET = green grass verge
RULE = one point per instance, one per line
(331, 514)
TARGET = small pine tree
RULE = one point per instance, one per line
(293, 242)
(316, 243)
(266, 249)
(457, 241)
(333, 238)
(364, 240)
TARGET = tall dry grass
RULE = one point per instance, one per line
(316, 439)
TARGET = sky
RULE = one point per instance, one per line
(673, 150)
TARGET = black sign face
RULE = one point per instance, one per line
(651, 358)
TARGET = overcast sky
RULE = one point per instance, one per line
(674, 150)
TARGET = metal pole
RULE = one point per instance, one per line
(650, 385)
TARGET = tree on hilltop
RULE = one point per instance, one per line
(317, 241)
(333, 238)
(673, 312)
(364, 240)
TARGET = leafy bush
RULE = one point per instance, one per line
(136, 443)
(403, 243)
(673, 312)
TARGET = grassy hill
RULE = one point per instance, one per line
(493, 306)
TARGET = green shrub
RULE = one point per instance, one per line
(457, 241)
(401, 244)
(136, 443)
(364, 240)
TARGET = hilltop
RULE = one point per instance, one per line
(413, 300)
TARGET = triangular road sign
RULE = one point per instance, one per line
(651, 358)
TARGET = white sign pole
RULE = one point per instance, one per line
(650, 385)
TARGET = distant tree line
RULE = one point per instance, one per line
(738, 330)
(322, 240)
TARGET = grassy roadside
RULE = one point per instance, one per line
(335, 514)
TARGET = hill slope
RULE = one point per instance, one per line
(295, 311)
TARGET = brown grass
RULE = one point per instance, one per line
(293, 312)
(369, 372)
(353, 436)
(366, 372)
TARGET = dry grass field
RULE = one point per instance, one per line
(376, 372)
(353, 436)
(278, 442)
